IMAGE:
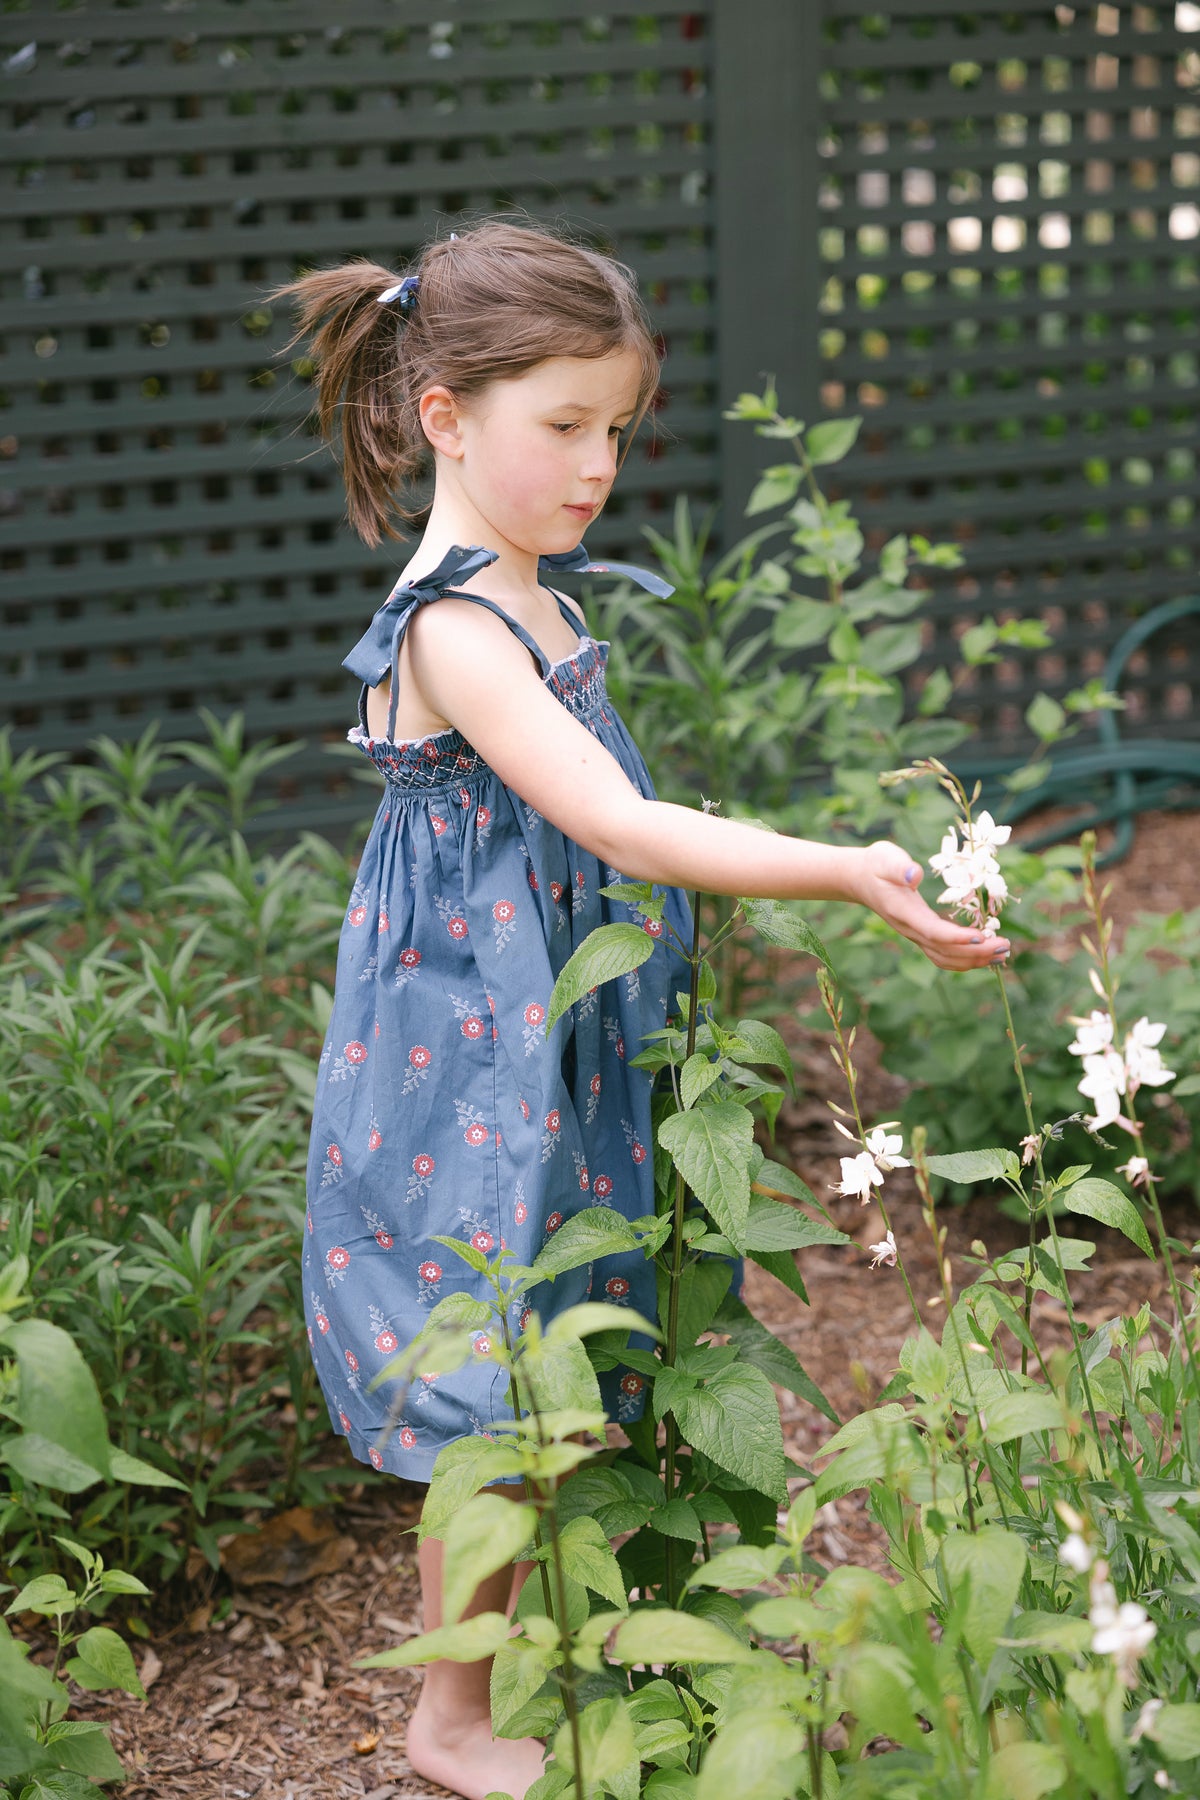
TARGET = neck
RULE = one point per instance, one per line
(453, 522)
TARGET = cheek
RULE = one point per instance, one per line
(527, 468)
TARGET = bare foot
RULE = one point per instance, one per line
(468, 1760)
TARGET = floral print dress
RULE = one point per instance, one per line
(443, 1105)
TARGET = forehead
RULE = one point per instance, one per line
(595, 383)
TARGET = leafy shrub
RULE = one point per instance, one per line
(166, 988)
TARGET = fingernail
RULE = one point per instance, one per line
(1000, 956)
(911, 873)
(978, 938)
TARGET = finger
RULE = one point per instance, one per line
(914, 875)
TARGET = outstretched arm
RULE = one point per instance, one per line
(473, 672)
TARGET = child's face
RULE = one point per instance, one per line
(539, 453)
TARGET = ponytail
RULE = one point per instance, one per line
(494, 301)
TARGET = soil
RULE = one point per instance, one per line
(253, 1695)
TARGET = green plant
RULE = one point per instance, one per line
(675, 1666)
(166, 987)
(55, 1440)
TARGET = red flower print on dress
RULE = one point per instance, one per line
(504, 922)
(476, 1135)
(523, 1321)
(551, 1137)
(355, 1052)
(470, 1118)
(354, 1055)
(630, 1393)
(636, 1148)
(602, 1187)
(407, 1437)
(419, 1062)
(383, 920)
(524, 1106)
(357, 915)
(351, 1362)
(593, 1100)
(534, 1026)
(617, 1288)
(374, 1136)
(556, 891)
(579, 897)
(408, 965)
(333, 1170)
(481, 1343)
(553, 1222)
(438, 823)
(464, 798)
(652, 927)
(483, 824)
(319, 1314)
(482, 1240)
(410, 957)
(337, 1261)
(375, 1457)
(346, 1425)
(581, 1170)
(457, 926)
(472, 1027)
(533, 880)
(377, 1227)
(385, 1339)
(429, 1276)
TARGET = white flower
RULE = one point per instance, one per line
(1094, 1035)
(1030, 1146)
(1076, 1553)
(986, 834)
(884, 1252)
(1143, 1063)
(972, 877)
(858, 1174)
(1123, 1632)
(1136, 1171)
(1145, 1720)
(1104, 1082)
(886, 1150)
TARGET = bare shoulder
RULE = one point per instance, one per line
(573, 606)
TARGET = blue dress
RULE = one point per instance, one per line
(443, 1106)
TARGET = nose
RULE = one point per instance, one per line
(600, 461)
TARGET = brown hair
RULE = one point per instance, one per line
(493, 302)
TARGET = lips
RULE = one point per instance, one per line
(584, 509)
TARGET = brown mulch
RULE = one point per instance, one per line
(254, 1695)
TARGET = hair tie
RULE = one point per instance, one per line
(404, 291)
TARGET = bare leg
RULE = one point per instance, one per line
(450, 1733)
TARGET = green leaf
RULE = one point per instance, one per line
(588, 1559)
(1026, 1771)
(697, 1075)
(670, 1784)
(607, 952)
(48, 1464)
(1045, 717)
(713, 1148)
(463, 1466)
(975, 1165)
(677, 1519)
(607, 1747)
(744, 1566)
(658, 1635)
(774, 1225)
(519, 1669)
(591, 1316)
(734, 1420)
(775, 487)
(831, 440)
(13, 1277)
(755, 1042)
(469, 1641)
(775, 922)
(753, 1756)
(44, 1594)
(1012, 1415)
(702, 1287)
(992, 1561)
(782, 1265)
(1097, 1199)
(141, 1474)
(1176, 1730)
(585, 1237)
(103, 1660)
(891, 647)
(763, 1350)
(82, 1745)
(483, 1537)
(557, 1373)
(57, 1396)
(802, 622)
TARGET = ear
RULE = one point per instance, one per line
(441, 421)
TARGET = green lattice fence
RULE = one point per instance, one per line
(170, 542)
(1009, 244)
(976, 225)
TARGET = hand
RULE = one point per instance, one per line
(887, 883)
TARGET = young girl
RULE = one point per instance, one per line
(519, 365)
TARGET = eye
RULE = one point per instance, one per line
(564, 427)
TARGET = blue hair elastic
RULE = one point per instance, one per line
(404, 291)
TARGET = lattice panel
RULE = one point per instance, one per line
(169, 541)
(1009, 225)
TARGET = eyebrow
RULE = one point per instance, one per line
(578, 406)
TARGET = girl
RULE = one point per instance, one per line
(520, 365)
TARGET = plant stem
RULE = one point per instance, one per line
(530, 1494)
(675, 1272)
(546, 1502)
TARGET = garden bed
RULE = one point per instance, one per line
(253, 1695)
